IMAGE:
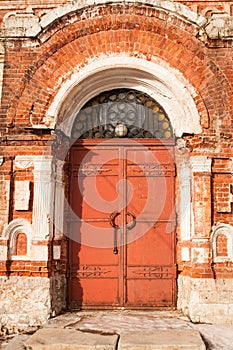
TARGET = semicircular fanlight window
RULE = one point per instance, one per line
(139, 114)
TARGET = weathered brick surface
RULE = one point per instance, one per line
(27, 301)
(204, 300)
(38, 65)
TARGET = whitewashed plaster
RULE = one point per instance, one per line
(39, 252)
(59, 200)
(22, 195)
(200, 190)
(2, 54)
(185, 254)
(185, 201)
(43, 192)
(56, 252)
(201, 164)
(43, 197)
(23, 162)
(25, 23)
(175, 8)
(187, 189)
(199, 255)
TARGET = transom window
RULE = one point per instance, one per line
(122, 113)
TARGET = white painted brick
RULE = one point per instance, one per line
(199, 255)
(22, 195)
(39, 253)
(185, 256)
(57, 252)
(3, 252)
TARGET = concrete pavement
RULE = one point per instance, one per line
(124, 330)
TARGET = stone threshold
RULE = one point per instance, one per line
(71, 339)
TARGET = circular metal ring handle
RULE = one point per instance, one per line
(113, 217)
(133, 223)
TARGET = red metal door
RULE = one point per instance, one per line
(129, 186)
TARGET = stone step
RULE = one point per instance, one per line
(170, 339)
(71, 339)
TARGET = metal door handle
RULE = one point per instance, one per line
(113, 217)
(133, 223)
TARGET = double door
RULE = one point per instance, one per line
(122, 225)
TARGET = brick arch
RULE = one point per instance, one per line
(72, 47)
(86, 7)
(222, 242)
(18, 228)
(108, 73)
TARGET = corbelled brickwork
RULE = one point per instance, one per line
(57, 55)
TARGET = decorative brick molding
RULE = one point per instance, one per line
(222, 242)
(43, 197)
(220, 25)
(201, 189)
(43, 192)
(27, 24)
(23, 162)
(11, 232)
(20, 23)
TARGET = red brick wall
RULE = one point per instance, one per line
(33, 74)
(36, 71)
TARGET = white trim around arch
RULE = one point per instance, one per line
(11, 232)
(164, 84)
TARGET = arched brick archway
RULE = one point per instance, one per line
(156, 79)
(122, 231)
(69, 47)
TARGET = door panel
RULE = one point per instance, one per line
(144, 250)
(94, 292)
(94, 269)
(150, 244)
(146, 296)
(150, 265)
(133, 188)
(94, 190)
